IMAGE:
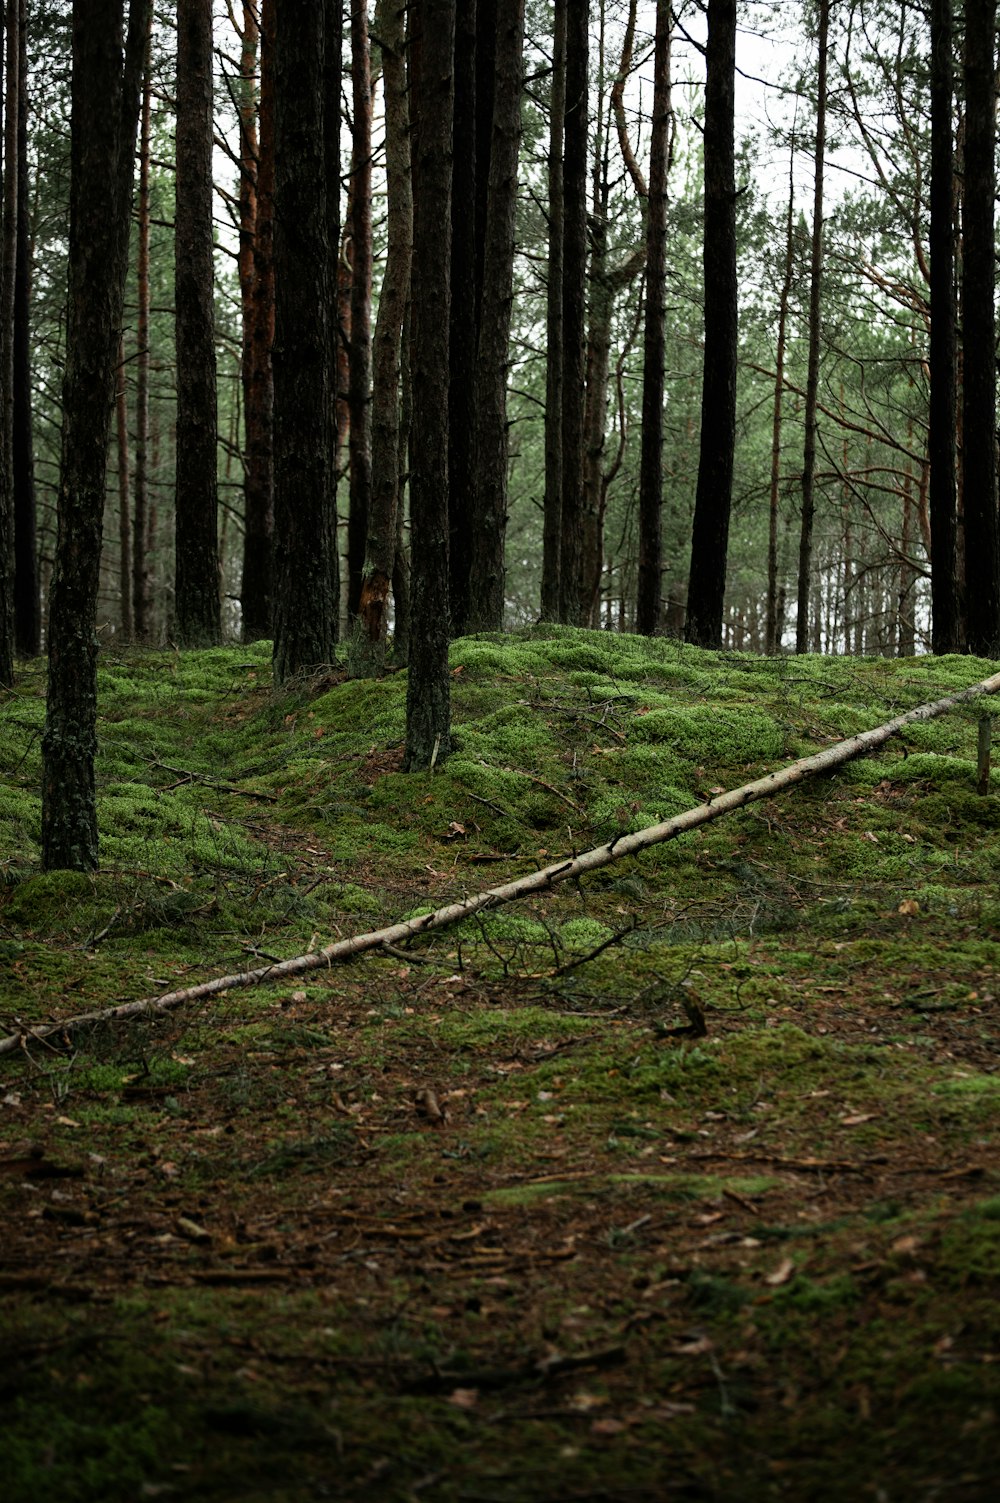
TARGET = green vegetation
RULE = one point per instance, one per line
(491, 1209)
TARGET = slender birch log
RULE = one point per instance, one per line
(538, 881)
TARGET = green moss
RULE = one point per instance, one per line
(50, 899)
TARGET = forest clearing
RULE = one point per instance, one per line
(679, 1180)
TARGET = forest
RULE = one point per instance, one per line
(499, 838)
(748, 466)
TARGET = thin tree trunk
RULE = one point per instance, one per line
(648, 595)
(463, 325)
(714, 493)
(812, 373)
(373, 612)
(576, 139)
(488, 573)
(257, 289)
(105, 107)
(945, 629)
(141, 516)
(124, 502)
(552, 505)
(979, 423)
(772, 637)
(304, 607)
(360, 348)
(8, 266)
(428, 691)
(197, 581)
(333, 65)
(597, 357)
(401, 562)
(27, 605)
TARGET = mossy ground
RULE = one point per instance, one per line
(478, 1221)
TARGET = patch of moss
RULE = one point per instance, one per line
(49, 900)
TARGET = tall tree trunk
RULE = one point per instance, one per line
(360, 350)
(945, 627)
(27, 605)
(140, 499)
(124, 500)
(428, 696)
(257, 291)
(104, 109)
(648, 605)
(552, 504)
(905, 602)
(8, 263)
(486, 595)
(979, 424)
(812, 372)
(401, 562)
(772, 633)
(597, 356)
(576, 132)
(304, 608)
(380, 553)
(197, 580)
(463, 325)
(714, 493)
(333, 63)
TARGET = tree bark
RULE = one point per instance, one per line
(332, 84)
(380, 552)
(104, 111)
(140, 500)
(257, 292)
(488, 571)
(360, 348)
(574, 307)
(197, 578)
(27, 604)
(815, 321)
(979, 421)
(463, 318)
(648, 603)
(8, 263)
(124, 500)
(945, 617)
(772, 628)
(304, 610)
(428, 693)
(552, 504)
(714, 493)
(569, 869)
(597, 353)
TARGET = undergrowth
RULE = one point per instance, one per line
(681, 1178)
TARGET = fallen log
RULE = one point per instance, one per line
(538, 881)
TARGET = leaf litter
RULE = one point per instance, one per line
(481, 1224)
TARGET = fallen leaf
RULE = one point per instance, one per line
(858, 1118)
(696, 1348)
(464, 1398)
(428, 1105)
(909, 906)
(190, 1230)
(583, 1401)
(781, 1274)
(607, 1427)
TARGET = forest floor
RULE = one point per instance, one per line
(492, 1218)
